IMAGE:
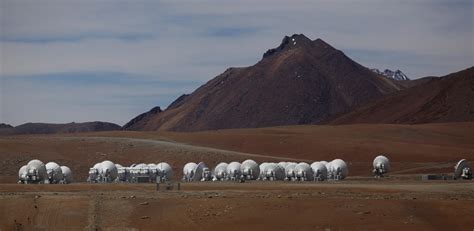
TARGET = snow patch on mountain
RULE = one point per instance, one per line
(396, 75)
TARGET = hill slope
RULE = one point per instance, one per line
(299, 82)
(5, 126)
(45, 128)
(446, 99)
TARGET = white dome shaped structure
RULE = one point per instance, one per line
(250, 169)
(22, 174)
(290, 173)
(261, 168)
(36, 172)
(338, 169)
(55, 174)
(188, 171)
(165, 172)
(273, 172)
(67, 174)
(462, 170)
(94, 176)
(233, 171)
(320, 171)
(381, 166)
(202, 172)
(304, 172)
(108, 172)
(220, 171)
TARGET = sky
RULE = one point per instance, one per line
(102, 60)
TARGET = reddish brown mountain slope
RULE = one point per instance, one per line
(446, 99)
(299, 82)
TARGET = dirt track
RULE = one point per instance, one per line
(353, 205)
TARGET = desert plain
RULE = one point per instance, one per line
(360, 202)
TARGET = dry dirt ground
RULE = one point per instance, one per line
(350, 205)
(427, 148)
(401, 201)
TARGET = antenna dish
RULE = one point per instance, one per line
(250, 169)
(198, 171)
(337, 169)
(220, 171)
(462, 170)
(22, 174)
(189, 170)
(320, 171)
(36, 172)
(233, 171)
(381, 166)
(108, 171)
(272, 172)
(55, 174)
(165, 171)
(304, 172)
(67, 174)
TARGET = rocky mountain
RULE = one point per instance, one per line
(445, 99)
(395, 75)
(299, 82)
(46, 128)
(5, 126)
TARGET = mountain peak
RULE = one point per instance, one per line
(289, 42)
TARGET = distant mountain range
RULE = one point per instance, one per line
(446, 99)
(47, 128)
(299, 82)
(395, 75)
(310, 82)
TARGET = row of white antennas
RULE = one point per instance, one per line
(36, 172)
(461, 169)
(108, 172)
(291, 171)
(250, 170)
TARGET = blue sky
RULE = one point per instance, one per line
(66, 60)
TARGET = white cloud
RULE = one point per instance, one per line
(89, 35)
